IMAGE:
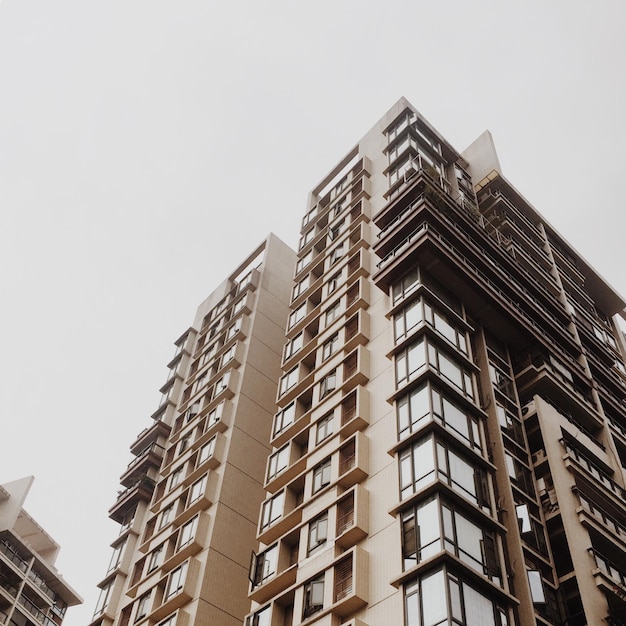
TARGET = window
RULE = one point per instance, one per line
(324, 428)
(536, 586)
(337, 253)
(188, 532)
(192, 411)
(295, 345)
(264, 565)
(166, 516)
(143, 606)
(444, 328)
(332, 313)
(272, 509)
(238, 306)
(306, 238)
(304, 261)
(233, 330)
(406, 320)
(285, 418)
(313, 596)
(335, 230)
(438, 596)
(426, 459)
(289, 379)
(425, 403)
(410, 361)
(333, 283)
(175, 477)
(103, 599)
(206, 451)
(330, 346)
(197, 489)
(433, 526)
(229, 355)
(184, 444)
(318, 532)
(116, 557)
(328, 384)
(321, 475)
(221, 384)
(301, 287)
(405, 286)
(261, 618)
(215, 415)
(176, 581)
(278, 462)
(156, 558)
(170, 621)
(297, 315)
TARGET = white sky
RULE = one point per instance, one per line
(147, 146)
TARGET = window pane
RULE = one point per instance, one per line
(434, 593)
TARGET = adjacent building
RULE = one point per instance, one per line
(32, 592)
(423, 423)
(188, 508)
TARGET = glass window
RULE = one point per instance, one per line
(215, 415)
(337, 253)
(176, 581)
(143, 606)
(318, 531)
(229, 355)
(406, 285)
(313, 596)
(301, 287)
(410, 361)
(272, 509)
(407, 320)
(332, 313)
(324, 428)
(328, 384)
(278, 462)
(413, 410)
(304, 261)
(166, 516)
(330, 346)
(289, 379)
(175, 477)
(536, 587)
(264, 565)
(103, 599)
(285, 418)
(297, 315)
(262, 617)
(156, 558)
(188, 532)
(294, 345)
(206, 451)
(321, 475)
(197, 489)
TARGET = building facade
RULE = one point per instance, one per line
(441, 382)
(190, 497)
(450, 441)
(32, 591)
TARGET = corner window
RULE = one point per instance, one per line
(278, 462)
(143, 606)
(285, 418)
(332, 313)
(330, 347)
(197, 489)
(156, 558)
(295, 345)
(264, 565)
(206, 451)
(289, 380)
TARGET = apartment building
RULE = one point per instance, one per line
(190, 496)
(32, 591)
(450, 440)
(422, 424)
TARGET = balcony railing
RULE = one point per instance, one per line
(13, 556)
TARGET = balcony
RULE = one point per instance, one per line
(129, 498)
(608, 576)
(149, 436)
(148, 459)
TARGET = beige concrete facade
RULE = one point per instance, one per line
(189, 511)
(32, 591)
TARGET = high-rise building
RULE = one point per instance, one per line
(32, 591)
(449, 437)
(450, 442)
(191, 495)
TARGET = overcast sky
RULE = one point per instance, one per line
(147, 146)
